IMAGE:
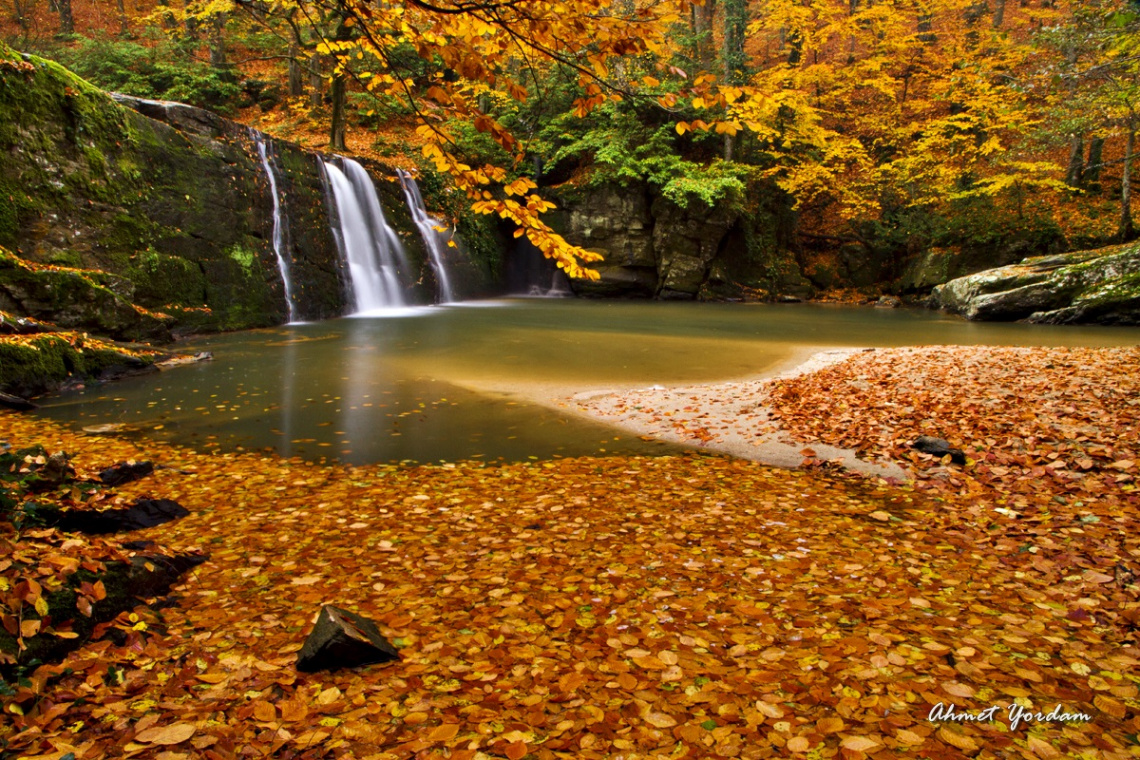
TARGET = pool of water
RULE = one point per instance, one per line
(455, 382)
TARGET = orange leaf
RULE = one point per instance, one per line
(799, 744)
(660, 720)
(175, 733)
(444, 732)
(515, 750)
(264, 711)
(955, 739)
(859, 743)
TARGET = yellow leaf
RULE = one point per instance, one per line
(660, 720)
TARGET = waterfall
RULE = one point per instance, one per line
(435, 241)
(279, 222)
(374, 254)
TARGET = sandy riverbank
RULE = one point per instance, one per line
(729, 417)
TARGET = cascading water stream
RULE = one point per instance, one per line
(278, 222)
(435, 240)
(375, 256)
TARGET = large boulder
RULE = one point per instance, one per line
(1091, 287)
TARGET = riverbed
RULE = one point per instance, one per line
(485, 380)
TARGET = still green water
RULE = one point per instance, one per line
(452, 383)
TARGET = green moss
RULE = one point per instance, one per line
(161, 280)
(65, 259)
(1117, 291)
(16, 207)
(29, 367)
(244, 257)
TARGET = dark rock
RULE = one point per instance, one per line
(172, 199)
(888, 302)
(144, 513)
(125, 472)
(8, 401)
(342, 639)
(938, 447)
(145, 576)
(53, 473)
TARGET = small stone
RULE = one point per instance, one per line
(938, 447)
(125, 472)
(343, 639)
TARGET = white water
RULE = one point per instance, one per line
(375, 256)
(435, 240)
(278, 223)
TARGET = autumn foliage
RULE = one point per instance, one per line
(694, 606)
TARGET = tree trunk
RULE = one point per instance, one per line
(296, 81)
(66, 20)
(124, 27)
(1090, 175)
(1126, 231)
(20, 14)
(217, 41)
(315, 80)
(336, 126)
(1076, 158)
(702, 25)
(735, 30)
(999, 13)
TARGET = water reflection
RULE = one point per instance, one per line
(451, 383)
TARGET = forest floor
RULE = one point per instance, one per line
(623, 607)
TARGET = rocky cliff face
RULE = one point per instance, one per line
(1091, 287)
(173, 199)
(653, 248)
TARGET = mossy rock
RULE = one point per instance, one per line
(35, 364)
(76, 300)
(166, 209)
(1092, 287)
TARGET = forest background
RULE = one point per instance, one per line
(885, 128)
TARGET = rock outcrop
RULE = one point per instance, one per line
(1088, 287)
(171, 200)
(654, 248)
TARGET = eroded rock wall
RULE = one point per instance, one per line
(654, 248)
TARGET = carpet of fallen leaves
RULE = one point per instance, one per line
(631, 607)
